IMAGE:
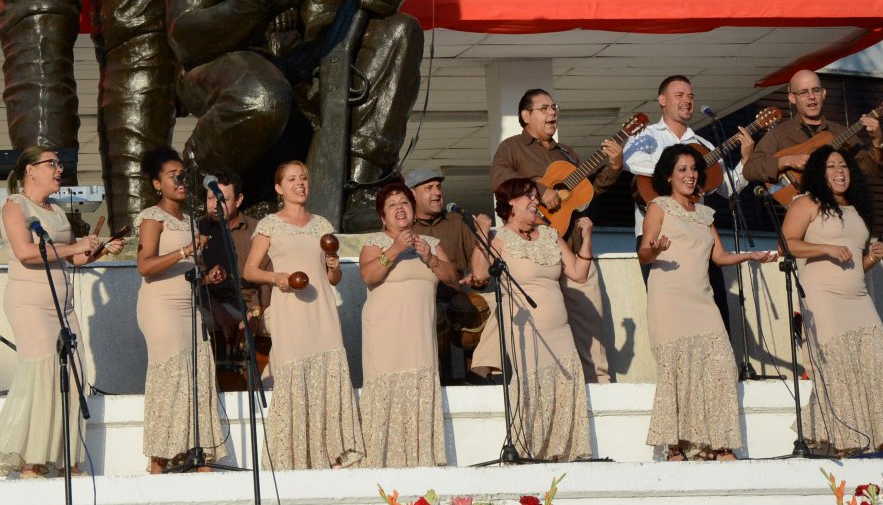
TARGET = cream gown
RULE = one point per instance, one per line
(696, 404)
(165, 319)
(31, 428)
(401, 398)
(313, 420)
(547, 390)
(843, 328)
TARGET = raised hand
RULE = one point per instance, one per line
(423, 249)
(585, 226)
(763, 256)
(660, 244)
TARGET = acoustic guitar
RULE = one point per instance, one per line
(714, 174)
(572, 183)
(788, 184)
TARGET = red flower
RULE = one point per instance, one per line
(529, 500)
(421, 501)
(863, 490)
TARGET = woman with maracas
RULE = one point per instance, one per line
(313, 420)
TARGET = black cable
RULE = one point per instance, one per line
(269, 455)
(416, 137)
(818, 370)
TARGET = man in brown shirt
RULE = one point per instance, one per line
(460, 245)
(806, 93)
(222, 296)
(528, 154)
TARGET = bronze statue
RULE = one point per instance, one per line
(243, 68)
(41, 95)
(136, 98)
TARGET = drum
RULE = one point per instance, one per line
(468, 314)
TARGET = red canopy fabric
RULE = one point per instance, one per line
(659, 16)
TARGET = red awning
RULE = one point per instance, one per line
(666, 16)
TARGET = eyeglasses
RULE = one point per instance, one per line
(53, 162)
(545, 108)
(803, 93)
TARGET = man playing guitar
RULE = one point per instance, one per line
(528, 154)
(806, 93)
(675, 99)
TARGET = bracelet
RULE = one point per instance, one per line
(580, 256)
(384, 261)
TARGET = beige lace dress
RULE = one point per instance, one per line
(696, 404)
(547, 391)
(844, 333)
(401, 400)
(31, 428)
(313, 420)
(165, 319)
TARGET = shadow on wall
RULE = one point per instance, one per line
(618, 360)
(119, 353)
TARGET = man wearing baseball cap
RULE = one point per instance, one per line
(459, 243)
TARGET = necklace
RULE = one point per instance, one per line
(43, 205)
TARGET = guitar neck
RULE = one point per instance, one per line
(853, 130)
(593, 163)
(720, 151)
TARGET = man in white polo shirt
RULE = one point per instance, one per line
(641, 153)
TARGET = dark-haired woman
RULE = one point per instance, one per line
(401, 400)
(31, 428)
(696, 406)
(547, 390)
(313, 420)
(165, 254)
(828, 226)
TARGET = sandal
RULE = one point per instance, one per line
(675, 454)
(724, 455)
(704, 455)
(33, 472)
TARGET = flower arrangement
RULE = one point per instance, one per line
(432, 498)
(866, 494)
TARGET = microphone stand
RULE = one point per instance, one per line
(8, 343)
(195, 456)
(64, 347)
(252, 368)
(737, 215)
(788, 265)
(508, 454)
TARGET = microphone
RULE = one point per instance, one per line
(708, 111)
(34, 225)
(467, 217)
(210, 182)
(453, 207)
(761, 192)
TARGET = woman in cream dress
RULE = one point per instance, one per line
(401, 400)
(31, 428)
(547, 389)
(313, 420)
(165, 255)
(696, 406)
(828, 226)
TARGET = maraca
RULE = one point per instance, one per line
(329, 244)
(298, 280)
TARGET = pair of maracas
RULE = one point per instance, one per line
(329, 244)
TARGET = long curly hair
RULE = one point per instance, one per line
(815, 184)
